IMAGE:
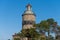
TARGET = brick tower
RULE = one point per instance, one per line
(28, 18)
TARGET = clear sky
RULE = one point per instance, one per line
(11, 11)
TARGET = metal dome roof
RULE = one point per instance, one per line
(28, 11)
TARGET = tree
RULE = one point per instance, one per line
(45, 26)
(30, 33)
(39, 32)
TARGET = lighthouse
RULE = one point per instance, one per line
(28, 18)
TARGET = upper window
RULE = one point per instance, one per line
(28, 22)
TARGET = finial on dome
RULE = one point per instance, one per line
(28, 7)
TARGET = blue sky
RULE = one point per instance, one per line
(11, 11)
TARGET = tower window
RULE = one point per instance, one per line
(28, 22)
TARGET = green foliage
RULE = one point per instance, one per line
(40, 29)
(50, 21)
(58, 29)
(45, 26)
(30, 32)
